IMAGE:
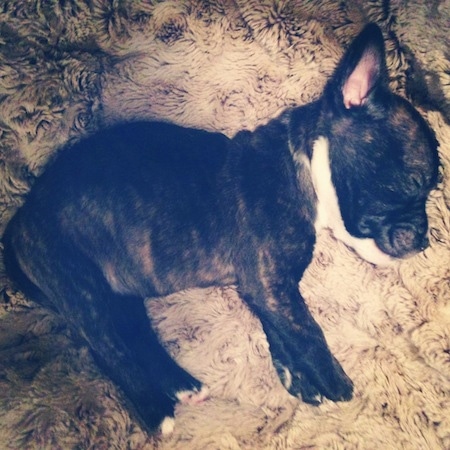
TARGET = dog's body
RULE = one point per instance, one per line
(146, 209)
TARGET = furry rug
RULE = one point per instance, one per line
(69, 67)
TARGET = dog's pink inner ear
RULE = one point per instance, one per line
(361, 81)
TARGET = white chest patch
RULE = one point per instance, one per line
(328, 211)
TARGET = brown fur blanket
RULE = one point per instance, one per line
(69, 67)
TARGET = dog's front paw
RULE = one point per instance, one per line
(324, 373)
(297, 384)
(308, 392)
(316, 378)
(337, 386)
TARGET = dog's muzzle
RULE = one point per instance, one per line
(403, 240)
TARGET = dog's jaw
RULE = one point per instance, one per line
(328, 211)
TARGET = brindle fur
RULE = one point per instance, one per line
(146, 209)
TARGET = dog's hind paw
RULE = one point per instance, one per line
(187, 397)
(167, 426)
(194, 396)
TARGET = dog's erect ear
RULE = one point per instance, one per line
(361, 70)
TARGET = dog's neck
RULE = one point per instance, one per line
(328, 214)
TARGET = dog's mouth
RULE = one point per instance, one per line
(397, 234)
(390, 244)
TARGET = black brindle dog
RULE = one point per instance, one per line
(147, 209)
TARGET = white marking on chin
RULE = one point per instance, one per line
(329, 213)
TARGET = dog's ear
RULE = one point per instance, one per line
(362, 70)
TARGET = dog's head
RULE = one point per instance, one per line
(381, 154)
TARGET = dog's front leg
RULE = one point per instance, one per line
(297, 344)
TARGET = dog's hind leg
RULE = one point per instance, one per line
(128, 350)
(116, 328)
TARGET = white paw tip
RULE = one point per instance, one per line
(167, 426)
(194, 397)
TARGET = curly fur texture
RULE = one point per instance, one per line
(67, 68)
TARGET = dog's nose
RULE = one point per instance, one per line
(403, 237)
(406, 238)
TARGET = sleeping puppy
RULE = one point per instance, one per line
(148, 209)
